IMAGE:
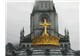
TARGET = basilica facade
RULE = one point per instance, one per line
(44, 38)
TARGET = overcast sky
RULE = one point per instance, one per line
(34, 0)
(18, 16)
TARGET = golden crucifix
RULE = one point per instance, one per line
(45, 25)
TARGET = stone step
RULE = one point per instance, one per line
(52, 53)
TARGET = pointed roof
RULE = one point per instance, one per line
(43, 5)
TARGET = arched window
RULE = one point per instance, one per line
(27, 45)
(41, 20)
(23, 46)
(42, 16)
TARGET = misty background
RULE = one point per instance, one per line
(18, 16)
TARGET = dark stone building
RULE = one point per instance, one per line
(46, 9)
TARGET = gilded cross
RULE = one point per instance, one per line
(45, 25)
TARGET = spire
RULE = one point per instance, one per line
(66, 32)
(23, 30)
(43, 5)
(22, 33)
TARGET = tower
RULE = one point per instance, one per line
(41, 10)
